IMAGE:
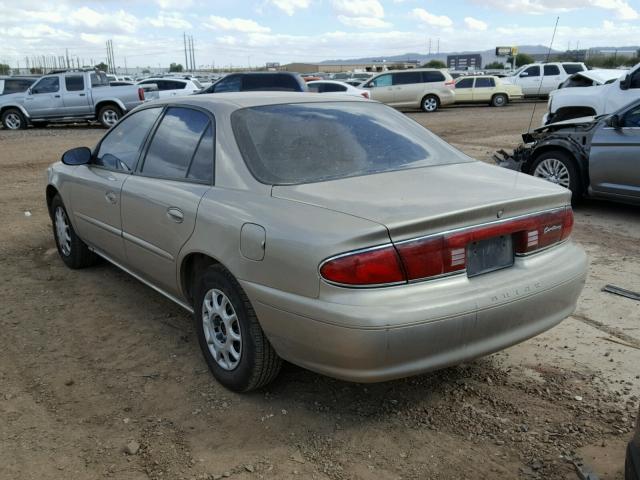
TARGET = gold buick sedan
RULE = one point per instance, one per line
(487, 89)
(332, 232)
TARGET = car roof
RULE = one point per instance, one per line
(256, 99)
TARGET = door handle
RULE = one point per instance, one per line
(57, 96)
(175, 214)
(111, 197)
(82, 94)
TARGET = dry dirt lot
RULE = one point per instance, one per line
(91, 361)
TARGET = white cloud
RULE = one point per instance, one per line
(363, 22)
(359, 8)
(169, 20)
(243, 25)
(622, 9)
(115, 22)
(431, 19)
(174, 4)
(475, 24)
(290, 6)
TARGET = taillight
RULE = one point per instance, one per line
(141, 94)
(365, 95)
(377, 266)
(450, 84)
(446, 253)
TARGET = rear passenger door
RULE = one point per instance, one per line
(483, 89)
(75, 98)
(551, 80)
(160, 201)
(408, 89)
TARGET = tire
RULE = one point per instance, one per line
(560, 168)
(430, 103)
(13, 119)
(73, 251)
(499, 100)
(109, 115)
(244, 359)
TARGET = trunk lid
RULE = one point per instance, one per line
(422, 201)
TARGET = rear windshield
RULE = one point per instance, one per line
(312, 142)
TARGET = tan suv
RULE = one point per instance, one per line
(425, 88)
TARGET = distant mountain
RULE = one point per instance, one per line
(487, 56)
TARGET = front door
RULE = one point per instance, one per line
(530, 80)
(44, 99)
(160, 202)
(381, 88)
(614, 160)
(96, 192)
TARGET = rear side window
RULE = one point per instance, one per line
(434, 76)
(47, 85)
(270, 82)
(484, 82)
(228, 84)
(120, 148)
(551, 70)
(174, 85)
(174, 143)
(201, 168)
(572, 68)
(533, 71)
(328, 87)
(312, 142)
(465, 83)
(407, 78)
(74, 83)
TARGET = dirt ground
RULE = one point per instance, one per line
(92, 361)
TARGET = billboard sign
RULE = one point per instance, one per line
(506, 51)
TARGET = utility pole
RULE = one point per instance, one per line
(126, 71)
(429, 45)
(438, 48)
(193, 55)
(186, 62)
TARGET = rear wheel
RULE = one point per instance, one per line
(73, 251)
(13, 119)
(234, 346)
(430, 103)
(499, 100)
(109, 115)
(559, 168)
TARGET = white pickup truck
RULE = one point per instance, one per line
(569, 103)
(540, 79)
(71, 96)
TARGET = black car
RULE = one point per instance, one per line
(632, 464)
(15, 84)
(257, 81)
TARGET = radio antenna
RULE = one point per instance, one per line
(542, 74)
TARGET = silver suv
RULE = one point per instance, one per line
(425, 88)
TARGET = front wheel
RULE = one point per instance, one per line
(73, 251)
(499, 100)
(430, 103)
(233, 344)
(13, 119)
(559, 168)
(109, 115)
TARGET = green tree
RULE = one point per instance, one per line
(4, 69)
(36, 71)
(494, 66)
(175, 67)
(103, 67)
(524, 59)
(146, 70)
(435, 64)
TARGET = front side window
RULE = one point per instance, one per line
(382, 81)
(465, 83)
(631, 119)
(406, 78)
(174, 143)
(47, 85)
(484, 82)
(229, 84)
(74, 83)
(634, 81)
(551, 70)
(120, 148)
(533, 71)
(313, 142)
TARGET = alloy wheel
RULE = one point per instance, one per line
(221, 329)
(430, 104)
(62, 231)
(553, 170)
(13, 121)
(110, 117)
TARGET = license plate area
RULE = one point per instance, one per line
(489, 255)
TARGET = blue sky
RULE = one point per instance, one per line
(242, 32)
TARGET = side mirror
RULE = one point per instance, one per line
(614, 122)
(29, 92)
(624, 83)
(524, 74)
(77, 156)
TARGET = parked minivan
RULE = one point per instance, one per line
(425, 88)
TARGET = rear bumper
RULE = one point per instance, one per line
(374, 335)
(632, 463)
